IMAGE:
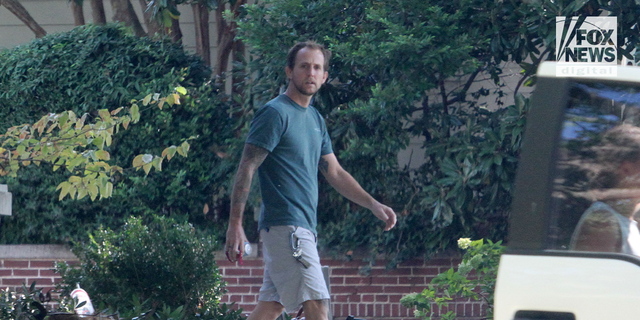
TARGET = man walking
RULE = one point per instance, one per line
(287, 144)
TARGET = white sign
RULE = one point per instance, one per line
(586, 46)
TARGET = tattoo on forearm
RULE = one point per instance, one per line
(323, 165)
(252, 158)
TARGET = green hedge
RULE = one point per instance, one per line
(96, 67)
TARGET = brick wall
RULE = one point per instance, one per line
(375, 296)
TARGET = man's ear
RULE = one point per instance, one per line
(288, 71)
(324, 78)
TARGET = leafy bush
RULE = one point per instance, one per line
(22, 305)
(97, 67)
(161, 267)
(475, 279)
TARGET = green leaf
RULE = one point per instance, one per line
(135, 113)
(181, 90)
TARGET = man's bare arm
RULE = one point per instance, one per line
(347, 186)
(252, 158)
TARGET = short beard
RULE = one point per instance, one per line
(303, 91)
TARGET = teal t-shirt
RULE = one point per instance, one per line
(295, 137)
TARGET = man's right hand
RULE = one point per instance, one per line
(234, 248)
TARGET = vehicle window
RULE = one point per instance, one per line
(596, 190)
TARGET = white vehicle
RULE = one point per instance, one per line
(570, 255)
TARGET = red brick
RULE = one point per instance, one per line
(16, 264)
(340, 298)
(13, 282)
(361, 309)
(395, 298)
(250, 281)
(384, 280)
(412, 280)
(392, 272)
(413, 263)
(42, 281)
(257, 272)
(345, 272)
(231, 281)
(228, 272)
(354, 298)
(368, 298)
(378, 310)
(343, 289)
(4, 273)
(370, 312)
(400, 289)
(247, 308)
(48, 273)
(255, 289)
(235, 298)
(336, 280)
(244, 289)
(395, 310)
(386, 310)
(249, 299)
(369, 289)
(427, 271)
(253, 263)
(25, 272)
(357, 281)
(382, 298)
(224, 299)
(49, 264)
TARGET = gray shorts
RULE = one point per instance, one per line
(286, 280)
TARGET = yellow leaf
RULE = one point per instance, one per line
(170, 100)
(75, 179)
(185, 148)
(181, 90)
(104, 114)
(80, 122)
(114, 112)
(93, 191)
(64, 189)
(157, 163)
(103, 155)
(147, 168)
(176, 98)
(147, 99)
(137, 161)
(82, 192)
(125, 123)
(169, 152)
(160, 104)
(135, 113)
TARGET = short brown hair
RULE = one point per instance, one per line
(293, 52)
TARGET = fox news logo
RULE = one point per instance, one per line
(587, 47)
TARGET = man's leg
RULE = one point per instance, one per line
(266, 310)
(316, 309)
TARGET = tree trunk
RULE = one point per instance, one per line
(19, 11)
(174, 32)
(123, 11)
(97, 12)
(153, 27)
(201, 16)
(226, 36)
(78, 15)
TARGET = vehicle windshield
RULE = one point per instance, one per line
(596, 189)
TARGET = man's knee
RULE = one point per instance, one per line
(266, 310)
(316, 309)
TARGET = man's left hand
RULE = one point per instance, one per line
(385, 214)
